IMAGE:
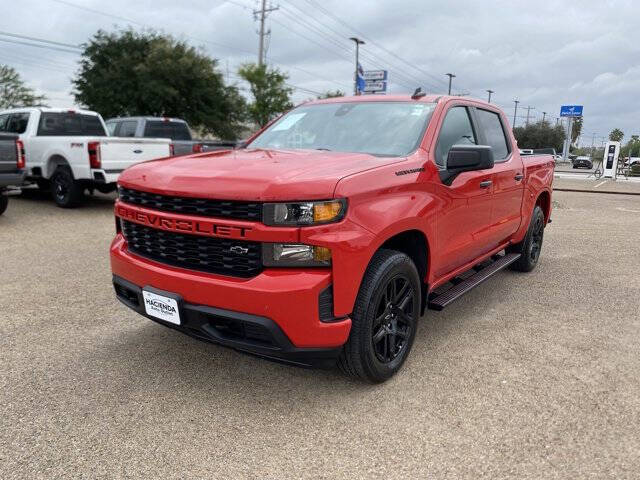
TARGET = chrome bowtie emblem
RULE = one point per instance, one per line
(237, 249)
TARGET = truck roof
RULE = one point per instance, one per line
(399, 98)
(165, 119)
(48, 109)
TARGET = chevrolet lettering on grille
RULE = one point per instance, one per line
(181, 225)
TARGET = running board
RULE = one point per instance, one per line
(455, 292)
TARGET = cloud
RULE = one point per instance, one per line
(543, 53)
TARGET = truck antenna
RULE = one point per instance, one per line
(418, 94)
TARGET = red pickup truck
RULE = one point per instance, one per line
(324, 240)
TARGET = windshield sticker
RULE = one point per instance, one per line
(288, 122)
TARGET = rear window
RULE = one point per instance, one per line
(163, 129)
(60, 124)
(18, 123)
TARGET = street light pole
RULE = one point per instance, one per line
(515, 112)
(358, 42)
(451, 77)
(490, 92)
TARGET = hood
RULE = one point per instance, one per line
(251, 175)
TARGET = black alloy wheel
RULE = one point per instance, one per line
(385, 318)
(394, 322)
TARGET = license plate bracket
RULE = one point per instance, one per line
(165, 306)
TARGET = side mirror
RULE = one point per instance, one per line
(466, 158)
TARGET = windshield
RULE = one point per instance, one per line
(377, 128)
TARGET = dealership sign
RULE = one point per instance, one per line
(571, 111)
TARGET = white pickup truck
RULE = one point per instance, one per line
(68, 151)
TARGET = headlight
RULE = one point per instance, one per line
(295, 255)
(304, 213)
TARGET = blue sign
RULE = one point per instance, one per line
(571, 111)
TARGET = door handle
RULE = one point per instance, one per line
(485, 184)
(518, 177)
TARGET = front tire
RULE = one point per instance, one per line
(66, 192)
(531, 246)
(385, 318)
(4, 203)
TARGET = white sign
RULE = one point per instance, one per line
(375, 75)
(161, 307)
(375, 87)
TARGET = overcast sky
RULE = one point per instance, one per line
(544, 53)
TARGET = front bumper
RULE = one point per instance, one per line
(285, 301)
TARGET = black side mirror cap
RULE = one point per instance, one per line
(466, 158)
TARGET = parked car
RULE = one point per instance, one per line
(631, 161)
(582, 162)
(323, 241)
(11, 166)
(164, 127)
(68, 151)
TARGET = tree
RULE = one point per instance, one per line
(540, 135)
(130, 73)
(616, 135)
(632, 148)
(14, 92)
(331, 94)
(269, 90)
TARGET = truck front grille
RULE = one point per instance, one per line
(205, 207)
(194, 252)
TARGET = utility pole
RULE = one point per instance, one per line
(557, 121)
(515, 112)
(358, 42)
(567, 140)
(489, 92)
(528, 110)
(593, 141)
(544, 115)
(451, 77)
(262, 13)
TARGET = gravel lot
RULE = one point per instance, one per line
(529, 376)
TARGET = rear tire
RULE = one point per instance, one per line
(4, 203)
(531, 246)
(384, 320)
(43, 184)
(66, 192)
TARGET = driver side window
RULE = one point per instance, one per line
(456, 130)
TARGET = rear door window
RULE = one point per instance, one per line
(111, 128)
(456, 130)
(3, 122)
(70, 124)
(167, 129)
(494, 133)
(18, 123)
(128, 128)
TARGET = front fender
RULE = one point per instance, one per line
(353, 245)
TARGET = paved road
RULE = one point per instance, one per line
(529, 376)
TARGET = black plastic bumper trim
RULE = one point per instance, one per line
(195, 323)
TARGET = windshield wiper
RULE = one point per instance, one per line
(322, 148)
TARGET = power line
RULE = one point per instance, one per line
(217, 44)
(51, 42)
(47, 47)
(365, 54)
(372, 42)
